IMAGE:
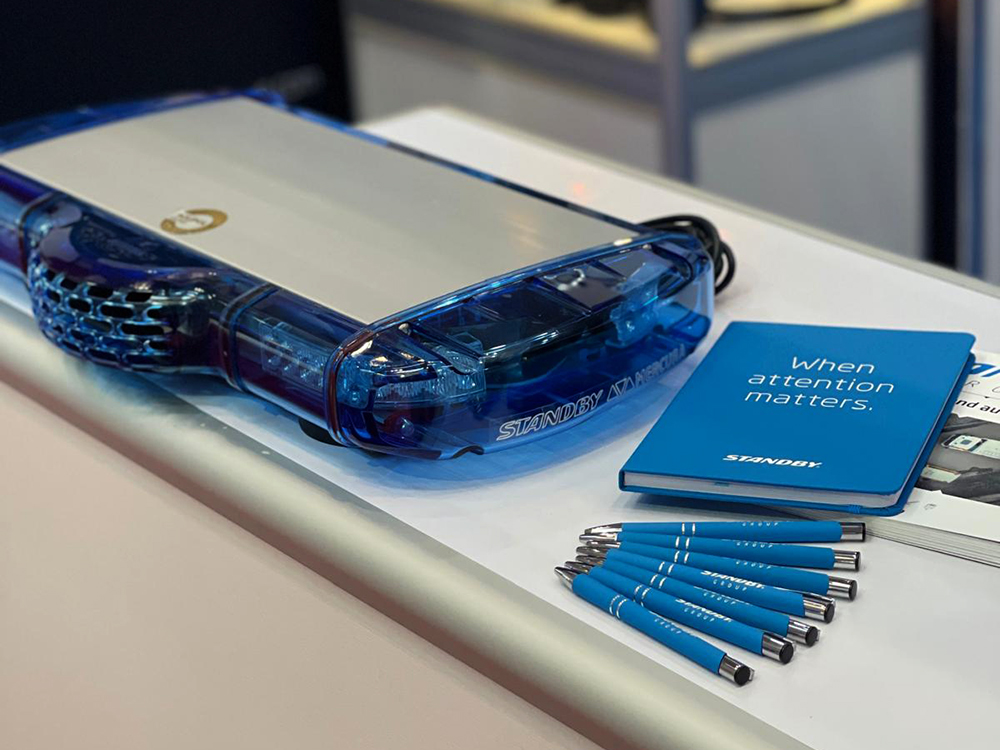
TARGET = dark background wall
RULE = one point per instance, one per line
(58, 55)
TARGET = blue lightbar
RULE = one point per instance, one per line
(508, 360)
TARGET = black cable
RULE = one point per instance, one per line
(723, 260)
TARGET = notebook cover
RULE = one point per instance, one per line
(845, 410)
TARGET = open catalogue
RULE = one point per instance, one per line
(955, 506)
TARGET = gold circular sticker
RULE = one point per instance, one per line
(193, 220)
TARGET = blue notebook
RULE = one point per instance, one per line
(809, 416)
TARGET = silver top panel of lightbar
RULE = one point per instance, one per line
(357, 227)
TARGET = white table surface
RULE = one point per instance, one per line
(914, 661)
(910, 663)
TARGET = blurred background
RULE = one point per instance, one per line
(874, 119)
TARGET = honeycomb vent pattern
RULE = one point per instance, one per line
(130, 329)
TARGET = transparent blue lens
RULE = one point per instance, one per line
(527, 358)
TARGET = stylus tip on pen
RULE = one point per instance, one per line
(847, 559)
(819, 607)
(735, 670)
(853, 531)
(843, 587)
(803, 632)
(777, 648)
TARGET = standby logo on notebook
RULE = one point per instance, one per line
(798, 463)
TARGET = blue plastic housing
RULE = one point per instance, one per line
(511, 359)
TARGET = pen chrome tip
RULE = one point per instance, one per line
(607, 528)
(777, 648)
(577, 566)
(853, 531)
(611, 536)
(590, 560)
(734, 670)
(803, 632)
(818, 607)
(846, 559)
(566, 575)
(843, 587)
(598, 553)
(599, 540)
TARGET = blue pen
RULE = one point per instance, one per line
(701, 652)
(750, 614)
(774, 575)
(812, 606)
(777, 554)
(761, 531)
(686, 612)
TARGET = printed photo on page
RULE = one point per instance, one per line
(965, 463)
(955, 506)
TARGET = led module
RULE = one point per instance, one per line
(405, 304)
